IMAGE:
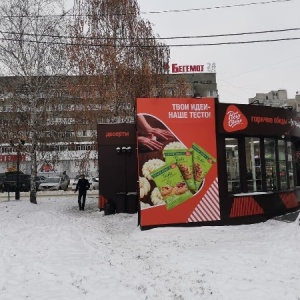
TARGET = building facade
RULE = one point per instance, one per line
(74, 149)
(277, 98)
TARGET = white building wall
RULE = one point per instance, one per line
(273, 98)
(69, 161)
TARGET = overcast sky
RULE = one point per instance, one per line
(243, 69)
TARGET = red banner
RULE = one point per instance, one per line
(12, 157)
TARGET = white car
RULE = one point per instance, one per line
(94, 183)
(74, 182)
(54, 184)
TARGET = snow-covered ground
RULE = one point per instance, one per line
(53, 251)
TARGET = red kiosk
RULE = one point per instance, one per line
(200, 162)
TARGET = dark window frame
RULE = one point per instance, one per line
(243, 166)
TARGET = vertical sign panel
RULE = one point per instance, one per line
(177, 161)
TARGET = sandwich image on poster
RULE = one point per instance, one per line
(202, 163)
(171, 185)
(184, 161)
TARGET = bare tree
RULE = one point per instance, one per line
(118, 56)
(31, 51)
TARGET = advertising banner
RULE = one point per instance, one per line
(177, 160)
(257, 120)
(176, 68)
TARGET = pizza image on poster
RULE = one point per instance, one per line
(177, 160)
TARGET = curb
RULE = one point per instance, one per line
(5, 197)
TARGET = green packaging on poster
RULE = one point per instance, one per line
(184, 161)
(202, 163)
(171, 185)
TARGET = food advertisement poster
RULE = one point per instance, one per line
(177, 161)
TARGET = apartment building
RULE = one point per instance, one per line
(75, 151)
(277, 98)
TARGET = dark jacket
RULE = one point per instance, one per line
(82, 185)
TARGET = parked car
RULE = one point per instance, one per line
(39, 180)
(95, 183)
(54, 183)
(9, 181)
(2, 178)
(74, 182)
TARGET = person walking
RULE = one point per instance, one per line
(82, 186)
(65, 177)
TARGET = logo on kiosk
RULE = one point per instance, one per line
(234, 119)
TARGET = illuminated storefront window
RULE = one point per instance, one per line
(291, 164)
(232, 165)
(282, 165)
(270, 159)
(253, 163)
(259, 165)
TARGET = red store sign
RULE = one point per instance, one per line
(257, 120)
(187, 68)
(14, 157)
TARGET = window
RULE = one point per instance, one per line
(7, 108)
(66, 107)
(232, 165)
(253, 164)
(47, 133)
(266, 164)
(63, 147)
(68, 134)
(6, 150)
(282, 165)
(271, 177)
(291, 164)
(5, 122)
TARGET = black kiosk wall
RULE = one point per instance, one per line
(118, 175)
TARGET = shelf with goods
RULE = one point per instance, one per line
(233, 177)
(271, 180)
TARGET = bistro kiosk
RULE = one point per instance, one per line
(201, 162)
(257, 160)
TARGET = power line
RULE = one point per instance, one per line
(66, 14)
(260, 68)
(154, 38)
(155, 46)
(236, 43)
(215, 7)
(230, 34)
